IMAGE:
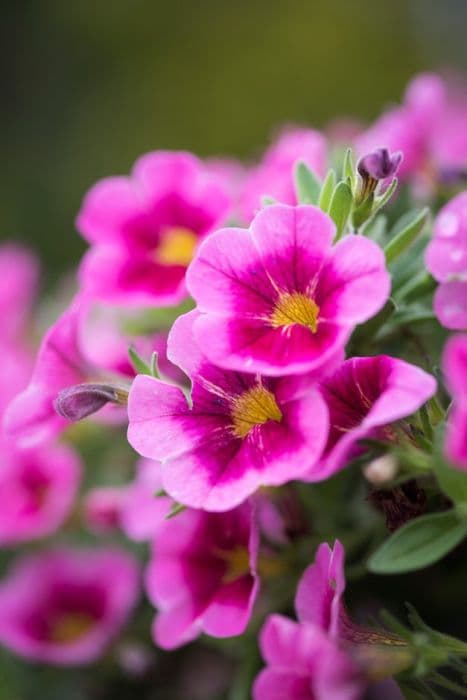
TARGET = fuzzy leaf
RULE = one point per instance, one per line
(419, 543)
(340, 206)
(326, 191)
(307, 185)
(140, 366)
(406, 236)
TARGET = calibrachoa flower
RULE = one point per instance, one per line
(280, 298)
(37, 490)
(241, 431)
(365, 397)
(102, 509)
(274, 175)
(454, 365)
(64, 606)
(19, 271)
(318, 657)
(446, 259)
(142, 512)
(66, 360)
(202, 575)
(144, 228)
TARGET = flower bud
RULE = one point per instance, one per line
(379, 164)
(381, 470)
(80, 401)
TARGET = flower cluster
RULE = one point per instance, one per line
(253, 334)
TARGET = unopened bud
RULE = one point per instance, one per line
(77, 402)
(379, 164)
(381, 470)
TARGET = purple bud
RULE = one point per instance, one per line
(77, 402)
(379, 164)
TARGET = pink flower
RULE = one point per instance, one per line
(75, 350)
(19, 272)
(102, 509)
(454, 363)
(304, 664)
(317, 657)
(64, 607)
(144, 228)
(202, 576)
(274, 175)
(241, 431)
(142, 512)
(280, 298)
(37, 490)
(365, 396)
(446, 259)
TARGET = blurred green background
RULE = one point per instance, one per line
(88, 85)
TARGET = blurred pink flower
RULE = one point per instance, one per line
(454, 364)
(241, 431)
(273, 176)
(365, 396)
(37, 490)
(142, 512)
(144, 228)
(102, 509)
(19, 273)
(79, 348)
(317, 658)
(446, 259)
(202, 575)
(63, 606)
(280, 298)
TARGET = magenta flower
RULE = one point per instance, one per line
(19, 272)
(280, 298)
(202, 576)
(144, 228)
(241, 431)
(64, 607)
(365, 397)
(76, 351)
(142, 512)
(317, 657)
(454, 363)
(446, 259)
(102, 509)
(37, 490)
(274, 174)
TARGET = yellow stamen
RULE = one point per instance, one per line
(237, 560)
(177, 246)
(254, 407)
(70, 627)
(293, 308)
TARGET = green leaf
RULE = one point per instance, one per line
(326, 191)
(384, 198)
(363, 212)
(348, 168)
(175, 510)
(307, 185)
(140, 366)
(154, 367)
(406, 236)
(419, 543)
(375, 228)
(417, 287)
(340, 206)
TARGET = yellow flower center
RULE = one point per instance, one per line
(237, 560)
(254, 407)
(177, 246)
(70, 627)
(293, 308)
